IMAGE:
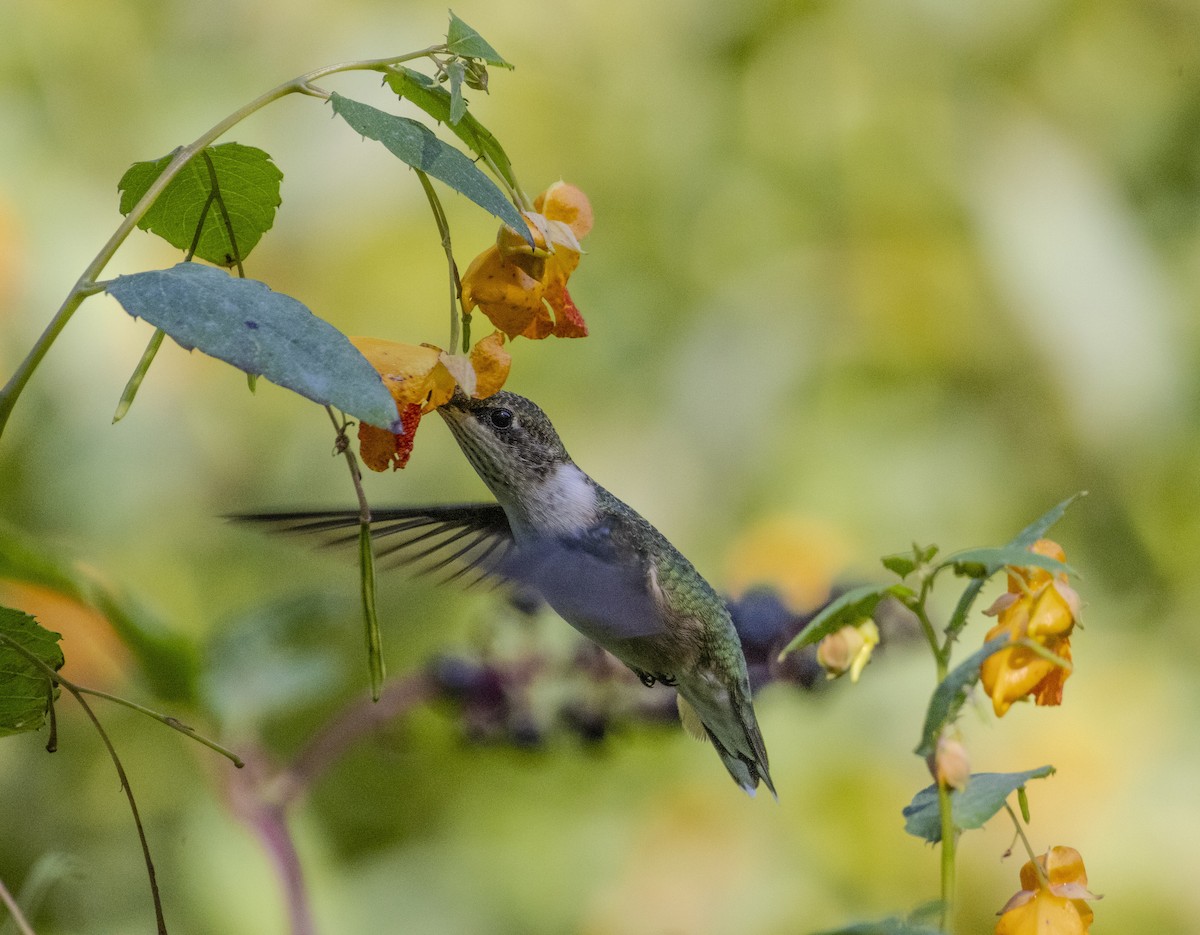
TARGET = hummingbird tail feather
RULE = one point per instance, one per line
(733, 729)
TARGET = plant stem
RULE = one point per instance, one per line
(949, 846)
(443, 226)
(14, 910)
(366, 559)
(1038, 869)
(85, 285)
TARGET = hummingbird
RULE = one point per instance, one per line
(593, 559)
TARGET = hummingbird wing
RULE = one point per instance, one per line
(471, 537)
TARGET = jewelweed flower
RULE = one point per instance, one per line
(1053, 902)
(1041, 607)
(517, 286)
(848, 649)
(421, 378)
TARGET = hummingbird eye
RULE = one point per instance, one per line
(501, 418)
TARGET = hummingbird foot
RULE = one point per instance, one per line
(649, 680)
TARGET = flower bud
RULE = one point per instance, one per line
(848, 649)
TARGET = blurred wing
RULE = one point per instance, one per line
(463, 537)
(604, 595)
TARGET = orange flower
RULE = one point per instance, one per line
(1053, 902)
(421, 378)
(1040, 607)
(518, 286)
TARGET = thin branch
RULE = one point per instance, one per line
(443, 226)
(14, 910)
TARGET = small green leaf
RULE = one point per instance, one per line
(249, 185)
(462, 40)
(244, 323)
(416, 145)
(435, 100)
(983, 563)
(1023, 801)
(1035, 530)
(984, 795)
(456, 71)
(902, 564)
(948, 698)
(24, 686)
(849, 608)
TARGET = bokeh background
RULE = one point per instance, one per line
(863, 273)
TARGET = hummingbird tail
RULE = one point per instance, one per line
(733, 729)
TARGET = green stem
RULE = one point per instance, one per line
(941, 655)
(1037, 867)
(949, 846)
(443, 226)
(85, 285)
(366, 559)
(58, 678)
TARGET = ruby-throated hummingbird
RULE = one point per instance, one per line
(598, 563)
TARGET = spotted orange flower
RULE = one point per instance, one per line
(421, 378)
(1052, 902)
(523, 289)
(1040, 607)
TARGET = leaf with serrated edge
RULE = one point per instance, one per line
(983, 797)
(458, 103)
(462, 40)
(249, 184)
(948, 698)
(983, 563)
(244, 323)
(435, 100)
(850, 607)
(25, 686)
(416, 145)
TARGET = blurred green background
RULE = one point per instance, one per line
(879, 271)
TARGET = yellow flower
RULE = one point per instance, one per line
(848, 649)
(518, 286)
(1053, 902)
(421, 378)
(1040, 607)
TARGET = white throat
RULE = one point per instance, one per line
(565, 503)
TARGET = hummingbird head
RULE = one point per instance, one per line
(515, 450)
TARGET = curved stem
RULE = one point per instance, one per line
(443, 226)
(85, 284)
(1037, 866)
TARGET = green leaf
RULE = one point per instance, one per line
(167, 660)
(456, 71)
(984, 795)
(948, 698)
(462, 40)
(249, 185)
(1035, 530)
(435, 100)
(416, 145)
(983, 563)
(849, 608)
(902, 564)
(244, 323)
(24, 686)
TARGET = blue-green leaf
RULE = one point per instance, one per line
(25, 687)
(435, 100)
(416, 145)
(984, 795)
(462, 40)
(249, 186)
(244, 323)
(983, 563)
